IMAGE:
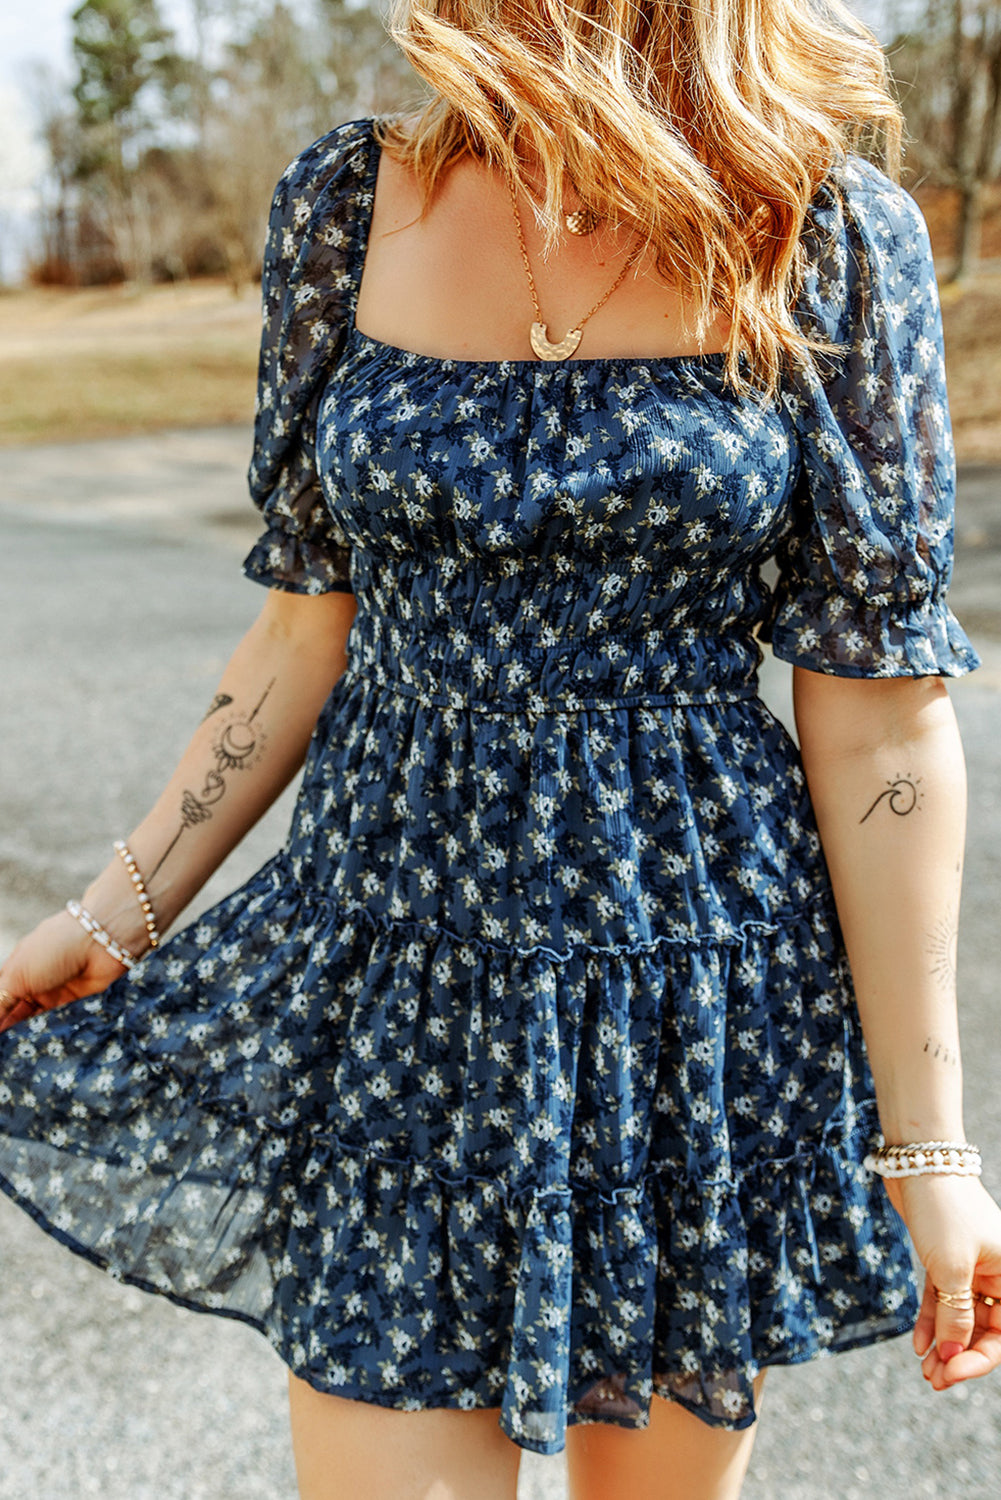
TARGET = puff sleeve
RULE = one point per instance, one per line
(866, 562)
(305, 282)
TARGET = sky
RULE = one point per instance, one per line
(39, 31)
(36, 30)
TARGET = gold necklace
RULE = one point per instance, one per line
(582, 221)
(539, 333)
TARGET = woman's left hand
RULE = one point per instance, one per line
(956, 1229)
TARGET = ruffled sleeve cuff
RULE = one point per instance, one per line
(311, 258)
(854, 638)
(283, 560)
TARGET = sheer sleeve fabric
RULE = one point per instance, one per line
(866, 563)
(305, 303)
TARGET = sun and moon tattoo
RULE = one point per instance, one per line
(237, 745)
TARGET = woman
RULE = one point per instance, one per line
(522, 1099)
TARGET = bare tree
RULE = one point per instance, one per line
(367, 72)
(165, 164)
(282, 83)
(947, 61)
(266, 104)
(56, 124)
(127, 67)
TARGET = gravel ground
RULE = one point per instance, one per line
(119, 565)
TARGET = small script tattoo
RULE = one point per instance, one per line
(901, 796)
(221, 700)
(938, 1049)
(943, 944)
(236, 748)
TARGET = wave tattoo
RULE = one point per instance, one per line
(901, 795)
(236, 749)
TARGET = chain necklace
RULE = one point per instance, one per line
(539, 333)
(582, 221)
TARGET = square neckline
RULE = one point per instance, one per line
(373, 148)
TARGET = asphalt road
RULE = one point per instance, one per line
(121, 600)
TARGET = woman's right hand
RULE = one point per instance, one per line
(56, 963)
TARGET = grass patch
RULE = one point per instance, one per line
(109, 361)
(971, 317)
(81, 395)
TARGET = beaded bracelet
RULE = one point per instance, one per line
(916, 1159)
(99, 934)
(122, 849)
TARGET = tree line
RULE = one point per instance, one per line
(946, 60)
(163, 156)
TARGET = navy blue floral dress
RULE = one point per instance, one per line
(527, 1074)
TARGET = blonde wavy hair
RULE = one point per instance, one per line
(706, 125)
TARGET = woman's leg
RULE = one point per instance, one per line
(354, 1450)
(678, 1457)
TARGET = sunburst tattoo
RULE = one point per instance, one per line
(943, 945)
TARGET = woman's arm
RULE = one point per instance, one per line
(247, 748)
(243, 754)
(886, 774)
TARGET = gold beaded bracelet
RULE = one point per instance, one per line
(957, 1158)
(122, 849)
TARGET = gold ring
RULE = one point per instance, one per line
(960, 1301)
(987, 1301)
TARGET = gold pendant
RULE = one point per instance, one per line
(539, 338)
(582, 221)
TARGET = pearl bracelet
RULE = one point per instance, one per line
(122, 849)
(916, 1159)
(99, 934)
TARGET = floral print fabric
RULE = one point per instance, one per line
(528, 1073)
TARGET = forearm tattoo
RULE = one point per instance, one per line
(221, 700)
(238, 746)
(901, 797)
(942, 1051)
(943, 945)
